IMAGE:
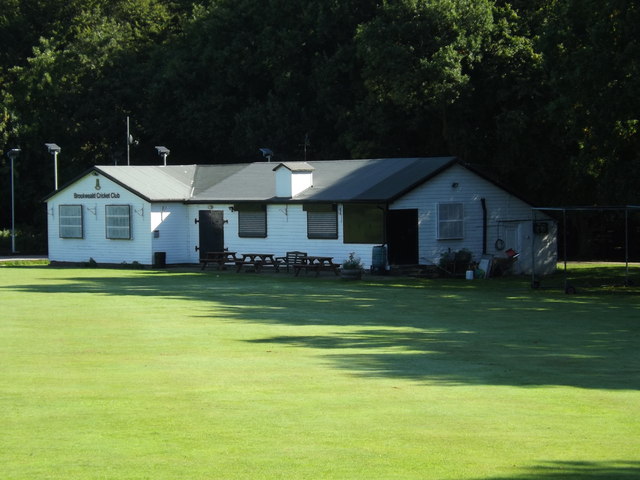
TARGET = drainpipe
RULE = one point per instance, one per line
(483, 202)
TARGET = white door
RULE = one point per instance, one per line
(513, 240)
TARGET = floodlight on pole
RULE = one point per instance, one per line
(164, 153)
(130, 141)
(55, 149)
(267, 153)
(13, 154)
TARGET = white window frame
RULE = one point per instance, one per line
(450, 221)
(70, 221)
(117, 225)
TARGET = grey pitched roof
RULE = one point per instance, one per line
(368, 180)
(153, 183)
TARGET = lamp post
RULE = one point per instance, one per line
(13, 154)
(55, 149)
(163, 152)
(130, 141)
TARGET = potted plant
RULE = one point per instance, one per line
(455, 263)
(352, 268)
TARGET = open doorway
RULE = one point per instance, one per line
(402, 236)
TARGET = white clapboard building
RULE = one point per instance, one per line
(419, 208)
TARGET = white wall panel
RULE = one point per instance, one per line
(504, 213)
(286, 231)
(170, 222)
(178, 234)
(94, 193)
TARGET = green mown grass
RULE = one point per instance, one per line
(178, 374)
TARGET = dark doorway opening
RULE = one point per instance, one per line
(211, 232)
(402, 237)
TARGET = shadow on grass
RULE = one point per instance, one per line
(454, 332)
(616, 470)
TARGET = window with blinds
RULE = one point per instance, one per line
(450, 221)
(252, 220)
(118, 222)
(322, 221)
(70, 221)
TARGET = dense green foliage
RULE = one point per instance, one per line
(541, 93)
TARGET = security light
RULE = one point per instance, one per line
(13, 153)
(267, 153)
(55, 150)
(163, 152)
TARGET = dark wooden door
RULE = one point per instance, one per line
(402, 237)
(211, 232)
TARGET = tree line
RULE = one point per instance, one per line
(542, 94)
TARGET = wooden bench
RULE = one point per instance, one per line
(222, 259)
(258, 261)
(316, 264)
(291, 259)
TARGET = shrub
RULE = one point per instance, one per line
(352, 263)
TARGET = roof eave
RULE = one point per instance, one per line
(123, 185)
(96, 168)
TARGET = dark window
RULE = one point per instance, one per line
(252, 220)
(70, 221)
(118, 222)
(363, 224)
(322, 221)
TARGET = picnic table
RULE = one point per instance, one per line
(317, 264)
(258, 261)
(222, 259)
